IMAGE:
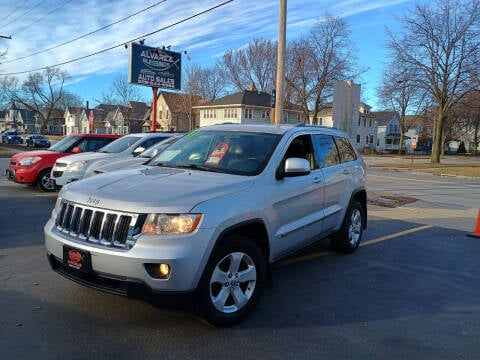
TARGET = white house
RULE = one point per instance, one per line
(246, 107)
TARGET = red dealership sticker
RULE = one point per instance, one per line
(217, 154)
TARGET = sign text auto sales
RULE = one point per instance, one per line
(154, 67)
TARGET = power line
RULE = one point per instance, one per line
(25, 13)
(123, 43)
(13, 12)
(42, 17)
(83, 36)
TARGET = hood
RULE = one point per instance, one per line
(42, 153)
(84, 156)
(119, 164)
(154, 189)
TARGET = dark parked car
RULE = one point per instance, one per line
(12, 137)
(37, 141)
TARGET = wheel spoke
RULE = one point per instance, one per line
(218, 276)
(239, 297)
(236, 259)
(221, 298)
(250, 274)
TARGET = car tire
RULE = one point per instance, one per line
(232, 282)
(347, 239)
(43, 181)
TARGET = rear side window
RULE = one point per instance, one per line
(326, 153)
(345, 149)
(93, 144)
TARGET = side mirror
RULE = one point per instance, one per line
(77, 150)
(138, 150)
(293, 167)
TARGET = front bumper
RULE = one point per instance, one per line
(63, 177)
(22, 175)
(124, 272)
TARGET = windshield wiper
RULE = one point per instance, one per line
(194, 167)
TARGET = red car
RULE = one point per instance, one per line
(33, 167)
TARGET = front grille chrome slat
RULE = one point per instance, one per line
(106, 228)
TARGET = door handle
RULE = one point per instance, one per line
(317, 179)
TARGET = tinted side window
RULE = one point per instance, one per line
(301, 147)
(326, 153)
(346, 151)
(93, 144)
(151, 141)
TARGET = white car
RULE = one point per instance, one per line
(73, 167)
(142, 158)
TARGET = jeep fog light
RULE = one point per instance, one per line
(169, 224)
(158, 271)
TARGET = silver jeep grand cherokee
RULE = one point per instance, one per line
(208, 215)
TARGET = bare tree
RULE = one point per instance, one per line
(470, 111)
(441, 42)
(401, 92)
(206, 83)
(316, 62)
(121, 92)
(255, 64)
(42, 92)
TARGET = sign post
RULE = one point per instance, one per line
(413, 144)
(90, 121)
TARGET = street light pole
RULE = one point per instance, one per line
(282, 26)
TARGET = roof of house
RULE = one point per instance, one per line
(176, 102)
(384, 117)
(77, 110)
(248, 98)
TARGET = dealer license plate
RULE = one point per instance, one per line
(77, 259)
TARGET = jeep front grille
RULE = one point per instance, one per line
(103, 227)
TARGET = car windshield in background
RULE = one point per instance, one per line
(232, 152)
(155, 149)
(65, 144)
(120, 144)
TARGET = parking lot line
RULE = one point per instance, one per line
(369, 242)
(391, 236)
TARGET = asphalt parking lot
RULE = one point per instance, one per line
(411, 290)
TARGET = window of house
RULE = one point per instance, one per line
(364, 122)
(371, 139)
(209, 114)
(359, 121)
(166, 114)
(248, 113)
(230, 113)
(358, 138)
(320, 121)
(266, 114)
(366, 139)
(370, 123)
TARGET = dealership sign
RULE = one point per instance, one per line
(154, 67)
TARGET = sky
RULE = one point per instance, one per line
(88, 37)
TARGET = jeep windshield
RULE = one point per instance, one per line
(233, 152)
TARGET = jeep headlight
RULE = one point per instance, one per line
(170, 224)
(58, 206)
(28, 161)
(77, 165)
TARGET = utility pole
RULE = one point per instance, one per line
(282, 29)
